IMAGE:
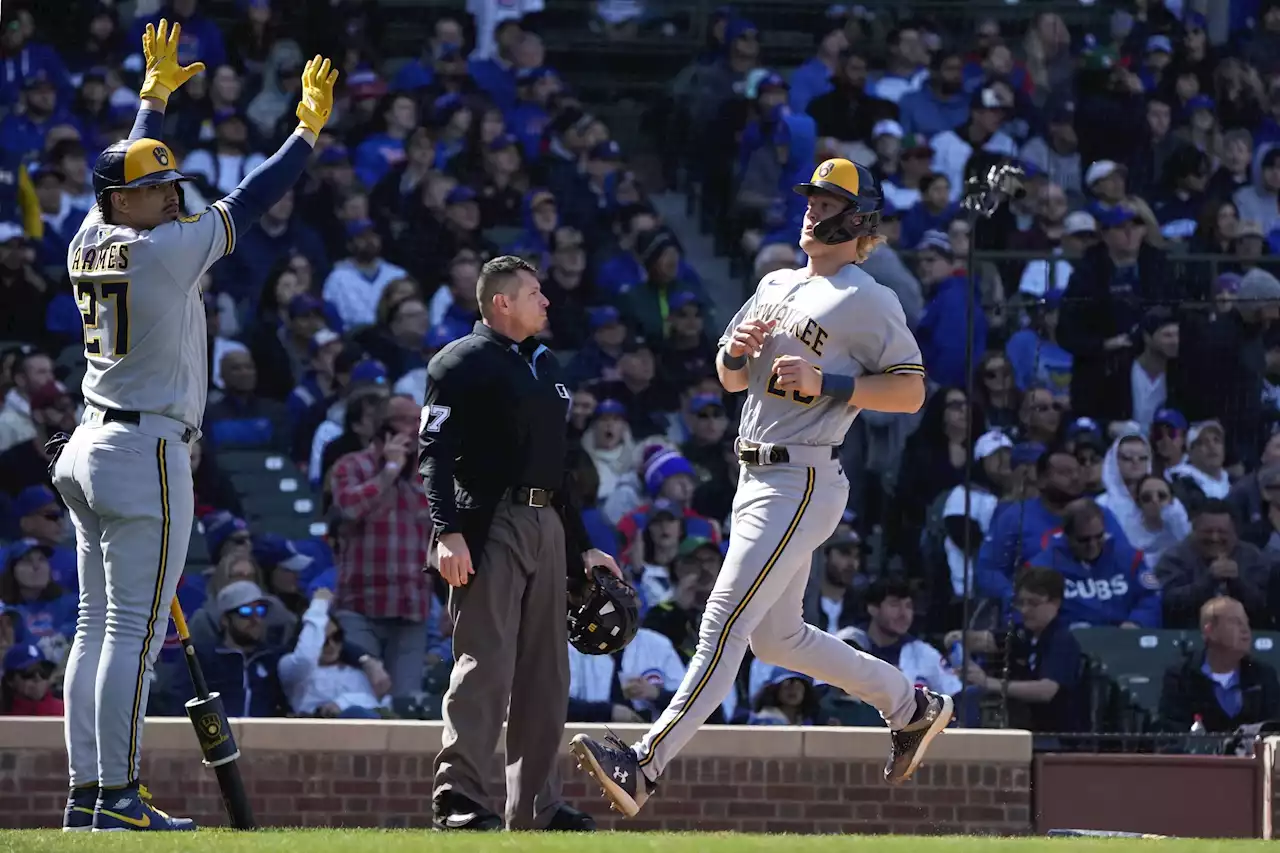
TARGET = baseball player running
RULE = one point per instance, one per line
(125, 473)
(811, 348)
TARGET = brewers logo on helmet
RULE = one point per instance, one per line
(134, 163)
(604, 613)
(853, 184)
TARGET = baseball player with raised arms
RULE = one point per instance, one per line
(811, 347)
(125, 473)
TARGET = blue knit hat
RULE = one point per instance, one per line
(661, 466)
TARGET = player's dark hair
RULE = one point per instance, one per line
(1040, 580)
(893, 586)
(499, 275)
(1078, 513)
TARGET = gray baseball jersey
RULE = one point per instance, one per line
(145, 337)
(846, 324)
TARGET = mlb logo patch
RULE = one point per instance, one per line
(562, 390)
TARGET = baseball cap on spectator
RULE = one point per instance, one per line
(271, 550)
(991, 442)
(1159, 44)
(356, 227)
(1195, 21)
(602, 316)
(636, 344)
(738, 28)
(11, 231)
(1227, 282)
(771, 80)
(444, 107)
(540, 196)
(333, 155)
(610, 407)
(40, 171)
(990, 98)
(1171, 418)
(238, 594)
(461, 195)
(1200, 428)
(1080, 222)
(1250, 228)
(566, 237)
(1026, 453)
(1258, 285)
(651, 244)
(369, 370)
(503, 141)
(23, 655)
(31, 500)
(1084, 429)
(22, 548)
(887, 127)
(49, 395)
(219, 527)
(322, 339)
(936, 241)
(701, 402)
(1114, 217)
(662, 466)
(914, 144)
(1102, 169)
(680, 299)
(850, 541)
(303, 304)
(608, 151)
(662, 508)
(690, 545)
(364, 84)
(1199, 102)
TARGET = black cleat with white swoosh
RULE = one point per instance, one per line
(450, 811)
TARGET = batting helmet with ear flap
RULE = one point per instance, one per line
(853, 184)
(604, 613)
(134, 163)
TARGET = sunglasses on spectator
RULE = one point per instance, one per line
(712, 414)
(246, 611)
(995, 373)
(51, 515)
(1141, 459)
(32, 673)
(957, 404)
(333, 637)
(1157, 497)
(239, 539)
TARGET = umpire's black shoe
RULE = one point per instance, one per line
(616, 770)
(569, 819)
(933, 713)
(454, 811)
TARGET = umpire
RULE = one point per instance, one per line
(492, 450)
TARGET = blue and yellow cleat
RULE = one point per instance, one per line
(78, 816)
(129, 809)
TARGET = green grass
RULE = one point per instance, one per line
(401, 841)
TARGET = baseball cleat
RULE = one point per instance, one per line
(616, 770)
(78, 815)
(452, 811)
(129, 809)
(910, 743)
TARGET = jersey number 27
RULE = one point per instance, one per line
(90, 295)
(773, 389)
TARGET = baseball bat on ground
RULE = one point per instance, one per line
(213, 731)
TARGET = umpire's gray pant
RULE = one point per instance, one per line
(510, 646)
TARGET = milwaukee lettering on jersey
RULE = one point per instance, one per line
(792, 321)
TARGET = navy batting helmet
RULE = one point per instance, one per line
(133, 163)
(604, 613)
(846, 180)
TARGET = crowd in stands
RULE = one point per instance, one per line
(1109, 457)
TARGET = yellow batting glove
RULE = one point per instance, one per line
(318, 79)
(164, 75)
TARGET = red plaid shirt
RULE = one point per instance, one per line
(382, 541)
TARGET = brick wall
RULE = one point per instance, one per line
(337, 774)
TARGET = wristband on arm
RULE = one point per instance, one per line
(837, 386)
(733, 362)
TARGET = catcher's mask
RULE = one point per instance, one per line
(133, 163)
(853, 184)
(604, 613)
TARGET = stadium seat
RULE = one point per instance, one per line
(1135, 660)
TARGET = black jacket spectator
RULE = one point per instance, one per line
(1104, 302)
(1189, 693)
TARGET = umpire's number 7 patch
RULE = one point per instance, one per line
(433, 417)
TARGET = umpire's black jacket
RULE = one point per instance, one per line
(495, 419)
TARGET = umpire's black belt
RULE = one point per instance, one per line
(750, 453)
(128, 416)
(529, 496)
